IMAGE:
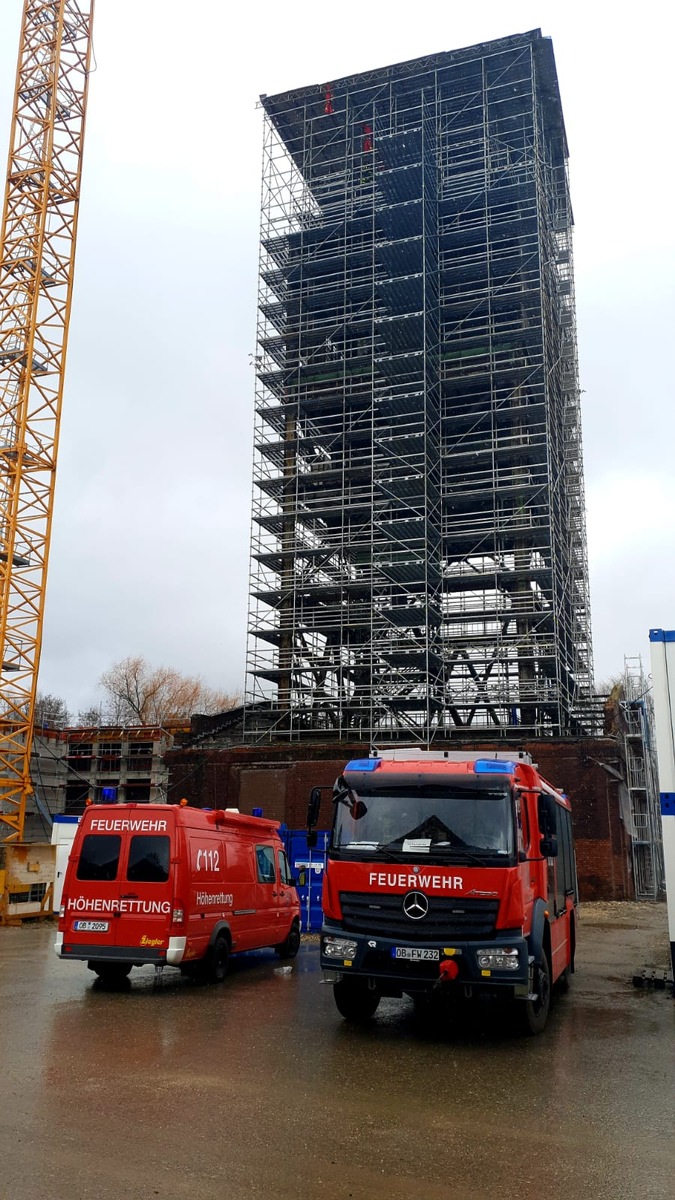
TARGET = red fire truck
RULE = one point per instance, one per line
(448, 871)
(174, 885)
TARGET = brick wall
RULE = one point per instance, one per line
(279, 780)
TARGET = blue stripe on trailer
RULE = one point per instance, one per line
(662, 635)
(668, 804)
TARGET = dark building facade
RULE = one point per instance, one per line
(419, 563)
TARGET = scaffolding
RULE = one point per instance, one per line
(636, 727)
(418, 539)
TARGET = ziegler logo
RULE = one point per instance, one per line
(148, 941)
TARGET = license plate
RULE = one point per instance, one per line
(415, 954)
(91, 926)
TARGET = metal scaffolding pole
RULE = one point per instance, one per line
(662, 643)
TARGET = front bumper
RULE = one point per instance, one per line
(375, 960)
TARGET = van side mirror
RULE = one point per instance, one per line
(548, 847)
(312, 839)
(313, 808)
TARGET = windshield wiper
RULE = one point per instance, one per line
(470, 854)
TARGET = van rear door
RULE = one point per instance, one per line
(146, 891)
(91, 895)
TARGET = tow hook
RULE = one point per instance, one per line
(448, 971)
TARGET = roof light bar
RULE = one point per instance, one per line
(491, 766)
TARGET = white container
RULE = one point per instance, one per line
(63, 833)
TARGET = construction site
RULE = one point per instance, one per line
(419, 612)
(419, 567)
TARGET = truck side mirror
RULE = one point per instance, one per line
(312, 839)
(548, 847)
(313, 808)
(546, 814)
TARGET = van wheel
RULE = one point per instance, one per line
(216, 962)
(111, 973)
(290, 947)
(355, 1000)
(532, 1015)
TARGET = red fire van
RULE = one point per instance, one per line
(169, 884)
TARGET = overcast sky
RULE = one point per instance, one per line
(151, 524)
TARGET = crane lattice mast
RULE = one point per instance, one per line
(37, 249)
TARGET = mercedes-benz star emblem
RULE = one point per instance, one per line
(415, 905)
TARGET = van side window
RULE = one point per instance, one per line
(284, 869)
(99, 856)
(148, 859)
(265, 859)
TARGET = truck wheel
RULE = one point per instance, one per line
(532, 1015)
(290, 947)
(355, 1000)
(217, 960)
(563, 982)
(111, 973)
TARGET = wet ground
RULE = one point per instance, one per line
(257, 1088)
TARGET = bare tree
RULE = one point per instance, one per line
(138, 694)
(90, 717)
(51, 712)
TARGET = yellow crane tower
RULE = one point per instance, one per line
(37, 250)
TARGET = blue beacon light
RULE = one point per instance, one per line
(363, 764)
(493, 766)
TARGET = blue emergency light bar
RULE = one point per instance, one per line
(363, 764)
(493, 766)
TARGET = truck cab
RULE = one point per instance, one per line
(448, 872)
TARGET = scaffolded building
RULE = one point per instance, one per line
(419, 558)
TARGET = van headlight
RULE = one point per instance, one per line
(337, 947)
(503, 958)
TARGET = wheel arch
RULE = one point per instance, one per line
(539, 930)
(219, 929)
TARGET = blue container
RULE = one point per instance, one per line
(307, 866)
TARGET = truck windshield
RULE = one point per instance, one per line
(446, 823)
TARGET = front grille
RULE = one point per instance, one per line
(450, 918)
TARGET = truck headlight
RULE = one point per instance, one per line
(336, 947)
(502, 958)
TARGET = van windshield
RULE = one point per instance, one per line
(99, 857)
(148, 860)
